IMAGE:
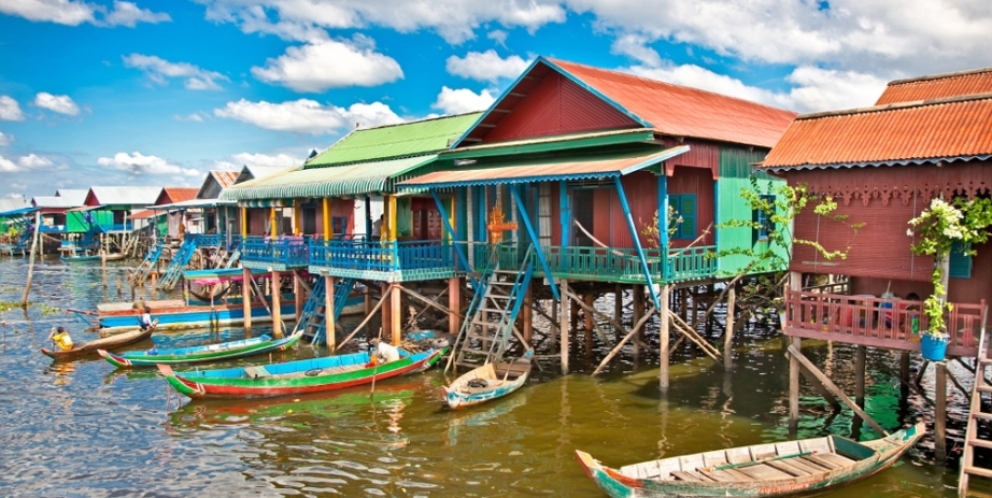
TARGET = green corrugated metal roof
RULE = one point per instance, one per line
(402, 140)
(355, 179)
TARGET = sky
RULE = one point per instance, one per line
(158, 92)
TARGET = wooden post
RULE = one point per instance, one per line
(638, 313)
(297, 294)
(34, 246)
(368, 300)
(589, 299)
(555, 323)
(244, 223)
(904, 374)
(618, 307)
(573, 322)
(276, 305)
(528, 312)
(566, 309)
(326, 204)
(940, 414)
(246, 298)
(455, 305)
(859, 389)
(728, 334)
(330, 326)
(396, 320)
(387, 309)
(663, 332)
(794, 373)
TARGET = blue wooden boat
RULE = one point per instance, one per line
(175, 314)
(200, 354)
(91, 257)
(488, 382)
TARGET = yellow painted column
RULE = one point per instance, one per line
(327, 219)
(244, 222)
(392, 218)
(273, 232)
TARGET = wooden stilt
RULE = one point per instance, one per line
(859, 389)
(528, 312)
(573, 322)
(940, 414)
(663, 332)
(638, 313)
(455, 305)
(276, 305)
(728, 334)
(618, 308)
(368, 300)
(566, 318)
(34, 247)
(396, 320)
(330, 325)
(797, 343)
(904, 374)
(589, 299)
(298, 294)
(246, 298)
(387, 308)
(555, 324)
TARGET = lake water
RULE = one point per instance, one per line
(86, 429)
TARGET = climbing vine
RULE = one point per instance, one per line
(938, 227)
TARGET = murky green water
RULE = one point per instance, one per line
(84, 429)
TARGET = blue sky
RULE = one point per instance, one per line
(158, 92)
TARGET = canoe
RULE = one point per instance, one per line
(107, 343)
(488, 382)
(200, 354)
(93, 257)
(775, 469)
(295, 377)
(175, 314)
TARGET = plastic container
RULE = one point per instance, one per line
(933, 349)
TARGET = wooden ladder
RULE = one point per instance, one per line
(976, 416)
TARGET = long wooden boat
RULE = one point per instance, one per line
(107, 343)
(488, 382)
(775, 469)
(295, 377)
(91, 257)
(201, 354)
(175, 314)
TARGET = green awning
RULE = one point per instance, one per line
(369, 178)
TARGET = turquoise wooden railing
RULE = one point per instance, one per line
(382, 256)
(291, 252)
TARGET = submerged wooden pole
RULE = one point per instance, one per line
(797, 344)
(34, 246)
(396, 320)
(728, 334)
(638, 313)
(664, 337)
(330, 325)
(276, 305)
(455, 305)
(589, 300)
(566, 312)
(528, 318)
(246, 298)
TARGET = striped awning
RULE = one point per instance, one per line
(368, 178)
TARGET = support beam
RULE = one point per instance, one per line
(940, 414)
(246, 298)
(630, 335)
(528, 318)
(813, 381)
(795, 350)
(522, 209)
(728, 334)
(590, 321)
(664, 353)
(638, 294)
(328, 228)
(459, 250)
(637, 239)
(563, 328)
(387, 308)
(663, 222)
(396, 318)
(276, 305)
(330, 330)
(273, 230)
(564, 213)
(455, 305)
(244, 223)
(795, 353)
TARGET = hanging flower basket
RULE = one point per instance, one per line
(933, 347)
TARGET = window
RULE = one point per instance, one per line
(683, 225)
(762, 219)
(960, 264)
(339, 225)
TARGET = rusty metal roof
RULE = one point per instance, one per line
(171, 195)
(586, 167)
(949, 129)
(938, 86)
(224, 178)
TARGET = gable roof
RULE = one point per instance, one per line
(54, 202)
(413, 138)
(12, 204)
(76, 196)
(255, 172)
(222, 179)
(171, 195)
(938, 86)
(951, 129)
(122, 196)
(667, 108)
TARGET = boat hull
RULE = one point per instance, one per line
(888, 451)
(242, 386)
(91, 347)
(458, 399)
(250, 348)
(193, 317)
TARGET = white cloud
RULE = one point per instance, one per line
(455, 20)
(307, 116)
(327, 64)
(138, 163)
(128, 14)
(635, 46)
(195, 117)
(8, 166)
(158, 70)
(499, 36)
(34, 161)
(74, 13)
(237, 161)
(10, 110)
(61, 104)
(462, 100)
(6, 139)
(815, 89)
(17, 186)
(486, 66)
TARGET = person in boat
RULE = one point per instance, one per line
(384, 353)
(146, 319)
(60, 337)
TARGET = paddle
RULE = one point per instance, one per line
(763, 460)
(375, 369)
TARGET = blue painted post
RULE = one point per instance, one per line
(637, 240)
(565, 212)
(522, 209)
(663, 223)
(451, 230)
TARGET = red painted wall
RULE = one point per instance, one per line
(609, 224)
(692, 180)
(704, 155)
(554, 107)
(959, 290)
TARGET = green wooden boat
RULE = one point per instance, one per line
(807, 466)
(201, 354)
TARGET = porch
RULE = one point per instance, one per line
(399, 261)
(274, 254)
(877, 322)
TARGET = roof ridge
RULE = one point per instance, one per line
(631, 75)
(375, 160)
(896, 106)
(416, 121)
(940, 76)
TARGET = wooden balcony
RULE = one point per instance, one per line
(402, 261)
(279, 254)
(877, 322)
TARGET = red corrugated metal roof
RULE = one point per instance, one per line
(945, 128)
(224, 178)
(176, 194)
(938, 86)
(684, 111)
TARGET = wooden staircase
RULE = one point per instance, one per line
(492, 314)
(976, 416)
(148, 264)
(178, 264)
(312, 320)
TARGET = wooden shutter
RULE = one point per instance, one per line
(687, 210)
(960, 264)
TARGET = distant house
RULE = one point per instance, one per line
(110, 207)
(169, 224)
(53, 211)
(926, 137)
